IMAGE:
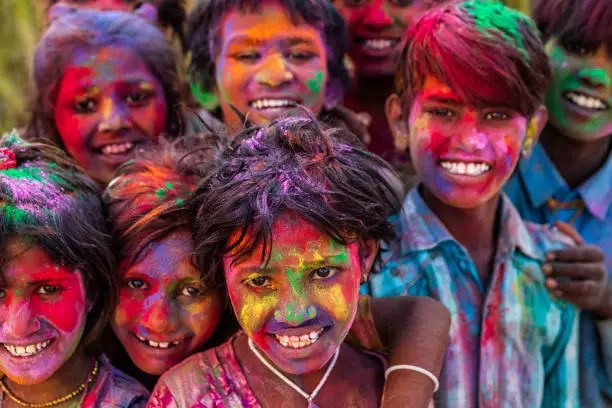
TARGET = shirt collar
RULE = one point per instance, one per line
(542, 180)
(596, 192)
(540, 176)
(421, 229)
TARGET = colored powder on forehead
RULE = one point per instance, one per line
(494, 16)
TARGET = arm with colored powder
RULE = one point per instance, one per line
(414, 330)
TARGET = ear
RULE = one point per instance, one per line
(59, 10)
(534, 129)
(148, 12)
(208, 99)
(334, 93)
(397, 123)
(367, 255)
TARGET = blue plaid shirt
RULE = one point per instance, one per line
(512, 344)
(535, 182)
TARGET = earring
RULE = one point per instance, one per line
(529, 136)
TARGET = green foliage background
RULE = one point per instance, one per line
(20, 27)
(21, 22)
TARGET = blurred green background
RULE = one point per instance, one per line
(22, 23)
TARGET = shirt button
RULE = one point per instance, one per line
(395, 272)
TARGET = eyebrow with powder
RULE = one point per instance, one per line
(332, 260)
(446, 99)
(254, 42)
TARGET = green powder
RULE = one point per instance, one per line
(492, 16)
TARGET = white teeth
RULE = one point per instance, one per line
(118, 148)
(586, 101)
(378, 44)
(26, 351)
(470, 169)
(301, 341)
(272, 103)
(158, 344)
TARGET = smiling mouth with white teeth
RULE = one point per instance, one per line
(465, 168)
(378, 44)
(26, 351)
(117, 148)
(298, 342)
(586, 101)
(158, 344)
(269, 103)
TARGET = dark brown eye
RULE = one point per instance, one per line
(259, 282)
(324, 273)
(85, 106)
(191, 291)
(48, 290)
(137, 284)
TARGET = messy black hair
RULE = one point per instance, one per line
(292, 164)
(46, 201)
(579, 24)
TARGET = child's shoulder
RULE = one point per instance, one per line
(207, 377)
(547, 237)
(192, 373)
(115, 388)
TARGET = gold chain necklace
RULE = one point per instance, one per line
(60, 400)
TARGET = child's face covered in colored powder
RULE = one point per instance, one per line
(376, 28)
(43, 311)
(267, 65)
(463, 154)
(102, 5)
(164, 314)
(109, 103)
(299, 307)
(579, 98)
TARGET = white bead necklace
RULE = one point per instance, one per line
(309, 397)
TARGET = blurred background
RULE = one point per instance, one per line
(22, 24)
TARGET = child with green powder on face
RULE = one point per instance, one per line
(263, 58)
(472, 81)
(569, 174)
(289, 225)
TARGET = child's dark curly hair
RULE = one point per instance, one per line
(292, 164)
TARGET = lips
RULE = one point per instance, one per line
(465, 168)
(167, 344)
(585, 101)
(377, 46)
(273, 103)
(302, 341)
(26, 350)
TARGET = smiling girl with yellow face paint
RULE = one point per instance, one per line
(290, 223)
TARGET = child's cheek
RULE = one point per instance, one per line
(129, 307)
(334, 298)
(254, 310)
(507, 149)
(66, 313)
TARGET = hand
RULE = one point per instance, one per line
(579, 275)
